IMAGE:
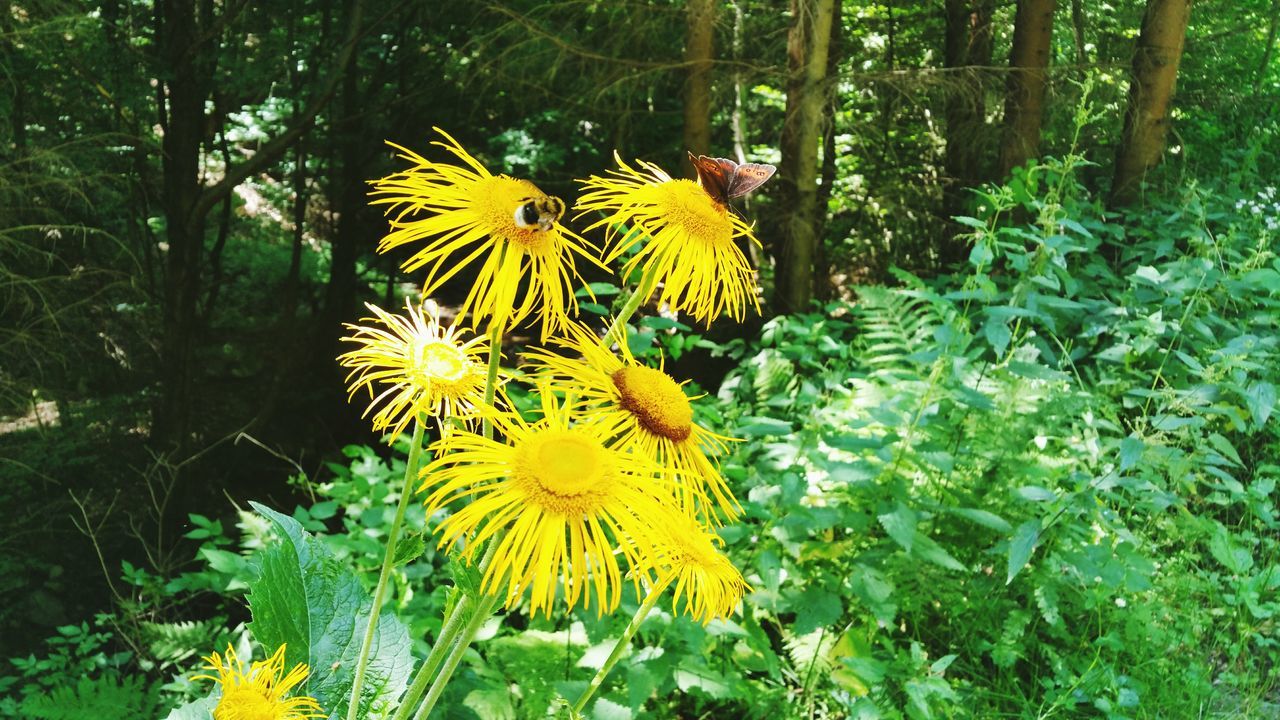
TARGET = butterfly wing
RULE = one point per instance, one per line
(748, 177)
(714, 174)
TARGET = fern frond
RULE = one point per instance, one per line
(894, 324)
(105, 698)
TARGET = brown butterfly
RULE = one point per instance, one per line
(724, 179)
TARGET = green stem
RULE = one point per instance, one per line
(483, 611)
(491, 382)
(617, 329)
(452, 624)
(464, 607)
(622, 644)
(388, 561)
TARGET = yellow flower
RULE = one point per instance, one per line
(688, 239)
(687, 555)
(643, 410)
(465, 215)
(417, 366)
(564, 506)
(260, 693)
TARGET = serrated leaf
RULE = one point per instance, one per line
(307, 599)
(984, 518)
(491, 703)
(1261, 397)
(640, 685)
(816, 608)
(1130, 451)
(1021, 545)
(930, 550)
(901, 525)
(409, 548)
(606, 709)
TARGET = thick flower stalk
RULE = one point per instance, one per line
(562, 506)
(642, 410)
(687, 240)
(413, 367)
(261, 692)
(465, 216)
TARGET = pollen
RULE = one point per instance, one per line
(655, 400)
(564, 471)
(687, 206)
(496, 201)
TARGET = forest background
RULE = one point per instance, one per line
(1008, 445)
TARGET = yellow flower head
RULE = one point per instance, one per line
(687, 555)
(688, 239)
(413, 366)
(465, 215)
(642, 410)
(567, 506)
(260, 693)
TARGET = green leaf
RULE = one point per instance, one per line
(818, 608)
(1261, 397)
(901, 525)
(754, 426)
(984, 518)
(1130, 451)
(1035, 493)
(491, 703)
(640, 685)
(1224, 448)
(606, 709)
(308, 599)
(997, 333)
(201, 709)
(1021, 545)
(930, 550)
(409, 548)
(1233, 557)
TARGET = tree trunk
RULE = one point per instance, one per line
(967, 51)
(698, 54)
(188, 52)
(1077, 27)
(1155, 70)
(186, 89)
(1270, 46)
(1024, 103)
(807, 45)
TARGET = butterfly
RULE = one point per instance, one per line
(724, 179)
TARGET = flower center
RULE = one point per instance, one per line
(564, 470)
(435, 361)
(685, 204)
(245, 703)
(656, 400)
(496, 200)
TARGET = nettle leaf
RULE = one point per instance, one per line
(1261, 397)
(1021, 545)
(901, 525)
(308, 599)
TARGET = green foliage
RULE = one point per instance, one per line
(306, 598)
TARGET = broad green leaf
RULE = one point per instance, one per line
(1021, 545)
(901, 525)
(700, 677)
(1130, 451)
(1261, 397)
(308, 599)
(997, 334)
(640, 685)
(491, 703)
(606, 709)
(815, 608)
(201, 709)
(983, 518)
(754, 426)
(1035, 493)
(930, 550)
(1233, 557)
(1225, 448)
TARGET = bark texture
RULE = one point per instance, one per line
(1024, 101)
(808, 43)
(698, 53)
(967, 53)
(1155, 70)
